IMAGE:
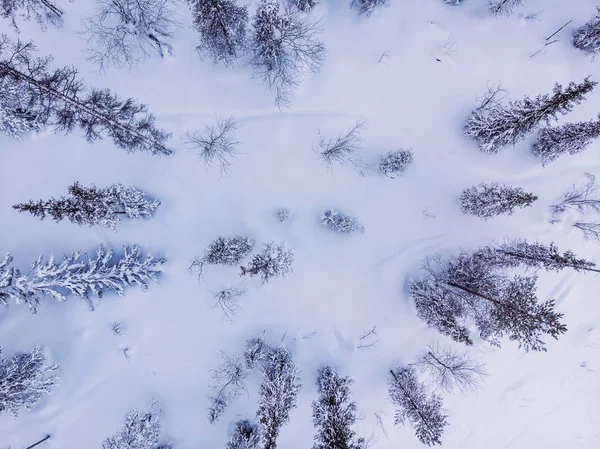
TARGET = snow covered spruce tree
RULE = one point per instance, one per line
(571, 138)
(228, 251)
(284, 45)
(338, 222)
(273, 261)
(366, 7)
(494, 125)
(334, 413)
(246, 435)
(44, 12)
(25, 378)
(89, 206)
(395, 163)
(422, 411)
(587, 37)
(142, 430)
(80, 274)
(448, 368)
(125, 32)
(474, 290)
(223, 28)
(277, 395)
(15, 119)
(489, 200)
(305, 5)
(499, 8)
(56, 98)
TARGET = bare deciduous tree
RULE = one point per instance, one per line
(227, 300)
(229, 384)
(343, 149)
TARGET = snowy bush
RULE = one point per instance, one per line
(25, 379)
(424, 412)
(343, 149)
(222, 25)
(305, 5)
(366, 7)
(125, 32)
(245, 436)
(587, 37)
(283, 214)
(273, 261)
(142, 430)
(284, 45)
(255, 351)
(494, 125)
(395, 163)
(489, 200)
(341, 223)
(570, 138)
(216, 145)
(503, 7)
(228, 251)
(91, 206)
(80, 274)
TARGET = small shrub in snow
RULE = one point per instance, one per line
(89, 206)
(571, 138)
(142, 430)
(341, 223)
(222, 25)
(395, 163)
(25, 379)
(343, 149)
(424, 412)
(228, 251)
(273, 261)
(118, 328)
(216, 146)
(489, 200)
(246, 435)
(587, 37)
(503, 7)
(366, 7)
(334, 413)
(283, 214)
(494, 125)
(81, 274)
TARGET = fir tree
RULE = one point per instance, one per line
(471, 289)
(494, 125)
(422, 411)
(273, 261)
(56, 98)
(284, 45)
(25, 379)
(222, 25)
(228, 251)
(245, 436)
(366, 7)
(334, 413)
(44, 12)
(142, 430)
(489, 200)
(89, 206)
(80, 274)
(278, 394)
(571, 138)
(587, 37)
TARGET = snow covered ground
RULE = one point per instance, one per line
(418, 96)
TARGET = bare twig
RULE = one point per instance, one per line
(366, 339)
(46, 438)
(227, 300)
(558, 31)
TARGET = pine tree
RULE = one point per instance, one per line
(284, 45)
(273, 261)
(471, 289)
(25, 379)
(571, 138)
(245, 436)
(80, 274)
(489, 200)
(222, 25)
(334, 413)
(366, 7)
(422, 411)
(44, 12)
(518, 252)
(587, 37)
(56, 98)
(278, 394)
(89, 206)
(494, 125)
(142, 430)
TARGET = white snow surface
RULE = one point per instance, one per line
(341, 285)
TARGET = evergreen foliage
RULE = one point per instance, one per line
(273, 261)
(490, 200)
